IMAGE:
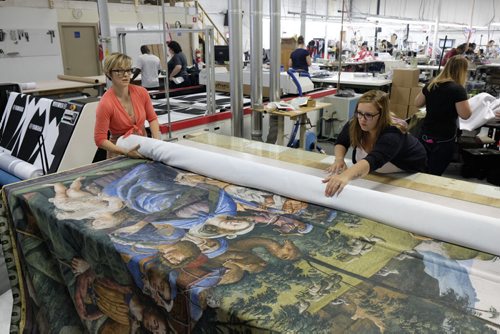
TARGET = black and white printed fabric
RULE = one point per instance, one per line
(37, 130)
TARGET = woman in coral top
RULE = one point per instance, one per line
(123, 109)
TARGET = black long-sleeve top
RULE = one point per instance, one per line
(401, 149)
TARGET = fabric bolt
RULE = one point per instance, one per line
(18, 167)
(455, 226)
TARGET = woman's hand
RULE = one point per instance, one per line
(337, 167)
(335, 184)
(134, 153)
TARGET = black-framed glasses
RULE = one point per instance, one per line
(121, 72)
(365, 115)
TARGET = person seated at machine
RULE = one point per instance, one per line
(300, 60)
(453, 52)
(380, 144)
(386, 46)
(491, 50)
(363, 53)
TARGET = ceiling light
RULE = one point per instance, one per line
(396, 20)
(453, 25)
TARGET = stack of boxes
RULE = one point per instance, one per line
(404, 90)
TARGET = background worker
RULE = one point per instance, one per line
(300, 60)
(123, 109)
(453, 52)
(177, 66)
(445, 99)
(148, 65)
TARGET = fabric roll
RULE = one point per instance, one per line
(7, 178)
(429, 219)
(28, 85)
(18, 167)
(78, 79)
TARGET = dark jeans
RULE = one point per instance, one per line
(439, 155)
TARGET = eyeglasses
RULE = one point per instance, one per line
(365, 115)
(122, 72)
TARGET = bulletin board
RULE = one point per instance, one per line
(28, 42)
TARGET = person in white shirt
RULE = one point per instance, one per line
(148, 65)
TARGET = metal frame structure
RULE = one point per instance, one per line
(209, 61)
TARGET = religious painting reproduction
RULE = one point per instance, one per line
(128, 246)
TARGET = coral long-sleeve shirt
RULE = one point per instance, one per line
(112, 117)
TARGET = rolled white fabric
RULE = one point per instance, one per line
(28, 85)
(429, 219)
(18, 167)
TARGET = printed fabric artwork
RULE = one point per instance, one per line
(127, 246)
(37, 130)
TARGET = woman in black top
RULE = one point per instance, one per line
(380, 144)
(300, 59)
(445, 99)
(177, 66)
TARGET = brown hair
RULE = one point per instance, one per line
(116, 60)
(381, 102)
(454, 70)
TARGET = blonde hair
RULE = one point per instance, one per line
(116, 60)
(454, 70)
(381, 102)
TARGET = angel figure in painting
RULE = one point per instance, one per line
(75, 203)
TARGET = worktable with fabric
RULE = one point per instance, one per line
(131, 245)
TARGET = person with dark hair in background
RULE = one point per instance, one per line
(363, 53)
(148, 65)
(300, 60)
(445, 99)
(380, 143)
(453, 52)
(387, 47)
(177, 66)
(312, 48)
(123, 109)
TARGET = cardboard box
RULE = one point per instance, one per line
(405, 77)
(400, 110)
(412, 110)
(413, 94)
(400, 95)
(311, 103)
(288, 45)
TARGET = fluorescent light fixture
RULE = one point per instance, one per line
(495, 24)
(452, 25)
(359, 24)
(396, 20)
(306, 14)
